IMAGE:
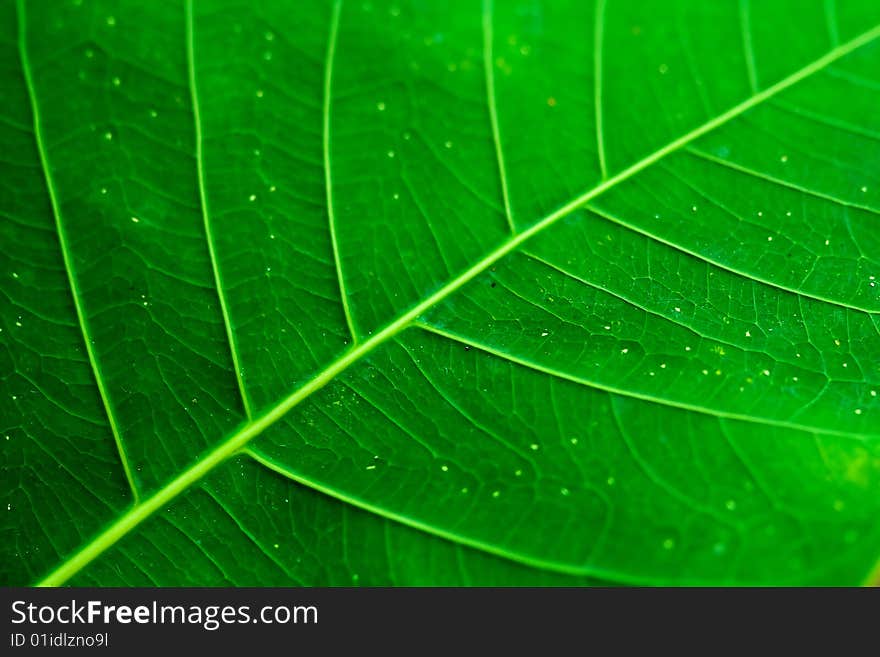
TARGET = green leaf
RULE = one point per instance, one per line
(440, 293)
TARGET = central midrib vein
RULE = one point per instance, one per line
(250, 430)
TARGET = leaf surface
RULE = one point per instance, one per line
(416, 293)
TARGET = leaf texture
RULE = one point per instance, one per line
(539, 293)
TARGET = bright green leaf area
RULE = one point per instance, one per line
(366, 292)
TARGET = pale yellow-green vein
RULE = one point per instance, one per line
(206, 219)
(81, 315)
(489, 69)
(328, 171)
